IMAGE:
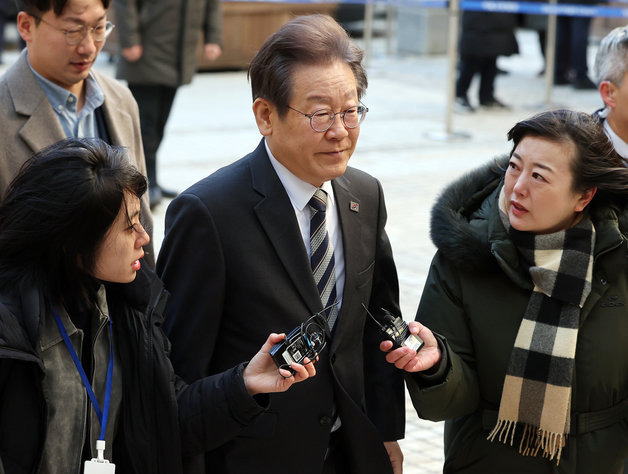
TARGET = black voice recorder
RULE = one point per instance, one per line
(306, 340)
(396, 330)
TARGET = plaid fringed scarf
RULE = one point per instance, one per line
(537, 387)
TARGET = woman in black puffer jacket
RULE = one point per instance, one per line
(75, 296)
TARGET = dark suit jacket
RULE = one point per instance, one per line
(29, 124)
(234, 261)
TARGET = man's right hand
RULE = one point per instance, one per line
(133, 53)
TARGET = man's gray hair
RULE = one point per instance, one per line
(611, 60)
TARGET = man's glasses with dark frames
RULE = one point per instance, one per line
(76, 35)
(323, 119)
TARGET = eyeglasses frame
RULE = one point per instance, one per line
(333, 116)
(86, 29)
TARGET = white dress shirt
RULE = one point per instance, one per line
(620, 145)
(300, 194)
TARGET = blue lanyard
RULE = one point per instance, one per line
(101, 414)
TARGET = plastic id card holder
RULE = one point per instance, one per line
(99, 467)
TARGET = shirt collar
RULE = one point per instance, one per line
(620, 145)
(298, 190)
(60, 97)
(95, 97)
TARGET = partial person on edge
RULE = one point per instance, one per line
(611, 67)
(285, 233)
(527, 295)
(75, 296)
(483, 37)
(572, 44)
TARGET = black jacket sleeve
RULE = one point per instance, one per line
(214, 409)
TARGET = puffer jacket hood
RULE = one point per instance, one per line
(460, 226)
(474, 298)
(467, 229)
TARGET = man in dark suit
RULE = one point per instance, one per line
(254, 246)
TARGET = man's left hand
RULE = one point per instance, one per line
(133, 53)
(212, 51)
(395, 455)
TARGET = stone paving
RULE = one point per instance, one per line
(212, 125)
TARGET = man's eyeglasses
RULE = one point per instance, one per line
(76, 35)
(323, 119)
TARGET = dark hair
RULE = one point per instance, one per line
(38, 7)
(310, 39)
(595, 164)
(56, 213)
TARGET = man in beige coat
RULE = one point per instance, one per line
(51, 92)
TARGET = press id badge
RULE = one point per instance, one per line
(99, 467)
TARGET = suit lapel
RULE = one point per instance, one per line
(42, 126)
(119, 122)
(351, 227)
(277, 218)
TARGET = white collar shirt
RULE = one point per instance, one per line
(300, 194)
(620, 145)
(64, 103)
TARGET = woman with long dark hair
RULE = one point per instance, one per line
(84, 369)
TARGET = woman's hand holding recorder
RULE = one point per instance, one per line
(409, 359)
(261, 374)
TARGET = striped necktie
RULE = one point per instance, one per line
(322, 256)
